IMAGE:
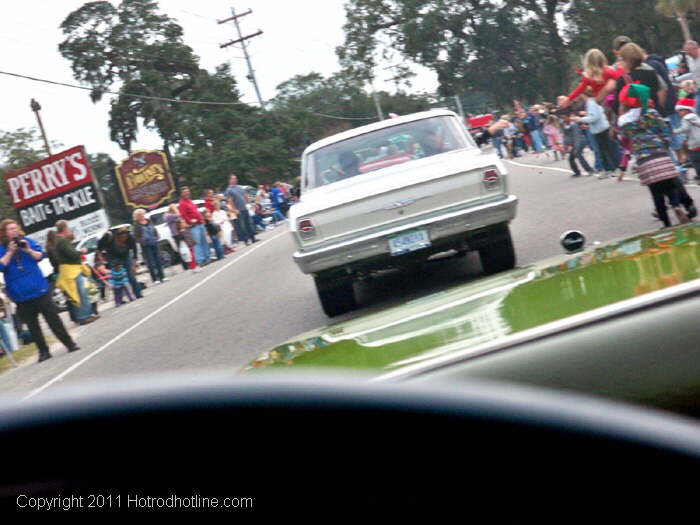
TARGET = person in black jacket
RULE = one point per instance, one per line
(120, 248)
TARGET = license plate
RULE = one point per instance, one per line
(408, 242)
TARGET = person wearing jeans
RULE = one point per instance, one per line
(496, 141)
(238, 200)
(599, 127)
(214, 231)
(146, 236)
(190, 213)
(532, 124)
(574, 142)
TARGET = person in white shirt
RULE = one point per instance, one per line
(692, 51)
(599, 126)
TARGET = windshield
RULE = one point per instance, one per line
(383, 148)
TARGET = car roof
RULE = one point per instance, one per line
(369, 128)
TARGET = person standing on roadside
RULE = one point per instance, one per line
(692, 51)
(596, 75)
(222, 221)
(600, 128)
(171, 217)
(552, 130)
(276, 198)
(650, 137)
(146, 236)
(71, 274)
(209, 200)
(532, 124)
(574, 142)
(195, 221)
(187, 243)
(283, 200)
(28, 288)
(635, 71)
(214, 232)
(238, 200)
(690, 126)
(120, 248)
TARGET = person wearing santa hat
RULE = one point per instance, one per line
(650, 138)
(690, 127)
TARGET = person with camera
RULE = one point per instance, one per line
(28, 288)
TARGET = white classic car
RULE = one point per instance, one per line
(393, 193)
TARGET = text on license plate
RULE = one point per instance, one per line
(408, 242)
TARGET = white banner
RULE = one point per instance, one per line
(81, 227)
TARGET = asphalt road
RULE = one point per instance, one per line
(255, 299)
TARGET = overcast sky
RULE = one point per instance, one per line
(298, 37)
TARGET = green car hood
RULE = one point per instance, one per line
(491, 308)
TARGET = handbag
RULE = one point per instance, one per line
(91, 288)
(184, 250)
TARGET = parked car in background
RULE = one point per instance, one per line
(90, 242)
(168, 249)
(392, 194)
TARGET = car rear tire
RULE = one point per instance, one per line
(499, 255)
(337, 295)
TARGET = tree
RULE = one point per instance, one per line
(309, 107)
(141, 53)
(679, 10)
(141, 50)
(505, 48)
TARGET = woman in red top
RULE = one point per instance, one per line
(596, 74)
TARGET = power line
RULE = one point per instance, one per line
(148, 97)
(342, 118)
(195, 14)
(134, 95)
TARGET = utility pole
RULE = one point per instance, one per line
(242, 39)
(375, 96)
(394, 79)
(36, 108)
(460, 109)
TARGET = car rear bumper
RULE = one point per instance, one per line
(377, 244)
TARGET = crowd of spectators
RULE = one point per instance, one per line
(203, 235)
(635, 111)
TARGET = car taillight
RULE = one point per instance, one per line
(306, 229)
(492, 180)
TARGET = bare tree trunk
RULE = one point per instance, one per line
(684, 25)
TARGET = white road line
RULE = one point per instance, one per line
(101, 349)
(536, 166)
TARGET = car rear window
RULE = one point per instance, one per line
(383, 148)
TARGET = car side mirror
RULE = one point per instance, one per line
(572, 241)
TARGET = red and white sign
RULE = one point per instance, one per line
(48, 177)
(57, 187)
